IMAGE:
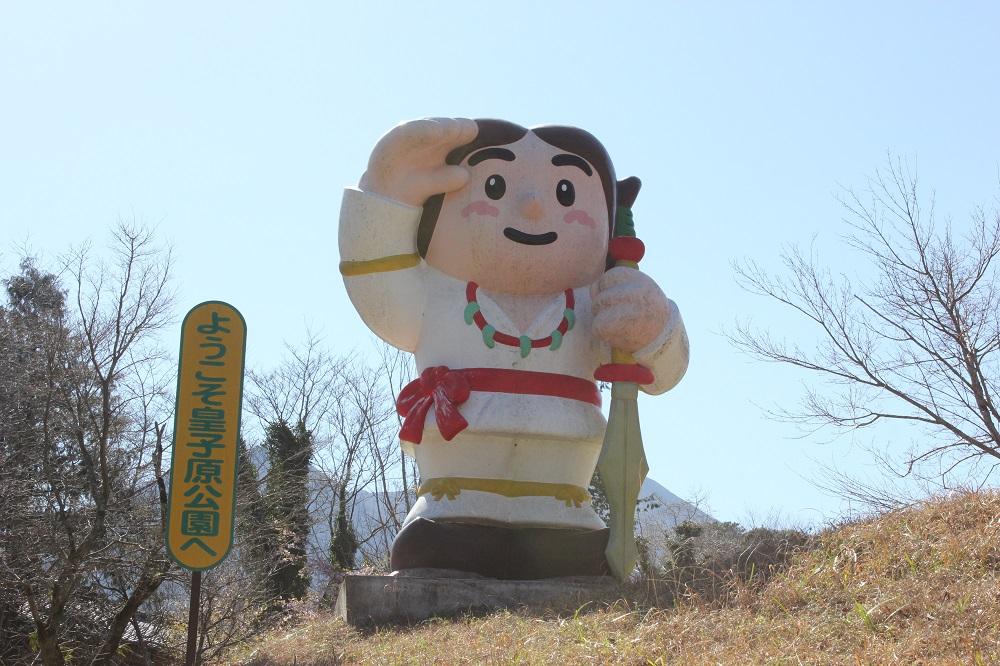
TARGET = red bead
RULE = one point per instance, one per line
(625, 248)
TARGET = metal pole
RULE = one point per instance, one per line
(192, 644)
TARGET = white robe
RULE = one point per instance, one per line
(514, 437)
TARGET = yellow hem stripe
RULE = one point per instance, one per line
(451, 487)
(396, 262)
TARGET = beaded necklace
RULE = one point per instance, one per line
(491, 336)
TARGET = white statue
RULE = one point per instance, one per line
(482, 248)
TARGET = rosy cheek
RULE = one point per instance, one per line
(480, 208)
(580, 217)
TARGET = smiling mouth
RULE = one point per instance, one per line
(529, 239)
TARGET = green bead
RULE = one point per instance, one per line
(470, 311)
(525, 346)
(556, 340)
(488, 333)
(570, 318)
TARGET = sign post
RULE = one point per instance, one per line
(206, 430)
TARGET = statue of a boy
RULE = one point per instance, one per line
(482, 248)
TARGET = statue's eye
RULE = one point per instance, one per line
(495, 186)
(565, 193)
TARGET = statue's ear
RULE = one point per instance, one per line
(628, 191)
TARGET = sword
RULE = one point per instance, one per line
(622, 463)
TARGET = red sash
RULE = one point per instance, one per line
(446, 389)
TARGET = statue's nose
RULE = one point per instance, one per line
(531, 208)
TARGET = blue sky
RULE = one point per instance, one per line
(743, 120)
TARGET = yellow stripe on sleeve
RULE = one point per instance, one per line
(396, 262)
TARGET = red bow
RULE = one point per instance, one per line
(439, 386)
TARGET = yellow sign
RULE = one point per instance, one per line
(206, 429)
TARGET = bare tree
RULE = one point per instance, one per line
(359, 475)
(914, 343)
(359, 457)
(293, 402)
(302, 389)
(84, 400)
(398, 369)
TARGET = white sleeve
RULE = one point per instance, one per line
(384, 275)
(667, 355)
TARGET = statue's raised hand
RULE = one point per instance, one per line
(408, 163)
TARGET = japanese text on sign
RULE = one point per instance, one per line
(206, 430)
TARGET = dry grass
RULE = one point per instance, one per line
(915, 586)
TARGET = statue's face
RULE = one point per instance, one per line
(530, 220)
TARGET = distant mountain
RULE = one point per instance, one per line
(658, 513)
(660, 509)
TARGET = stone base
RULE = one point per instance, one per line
(366, 601)
(507, 552)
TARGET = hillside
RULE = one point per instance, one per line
(920, 585)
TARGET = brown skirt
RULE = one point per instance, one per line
(512, 553)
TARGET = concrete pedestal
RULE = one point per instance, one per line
(375, 600)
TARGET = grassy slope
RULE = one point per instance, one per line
(915, 586)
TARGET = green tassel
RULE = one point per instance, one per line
(624, 223)
(556, 340)
(470, 311)
(525, 346)
(488, 333)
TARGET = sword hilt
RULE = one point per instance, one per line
(626, 251)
